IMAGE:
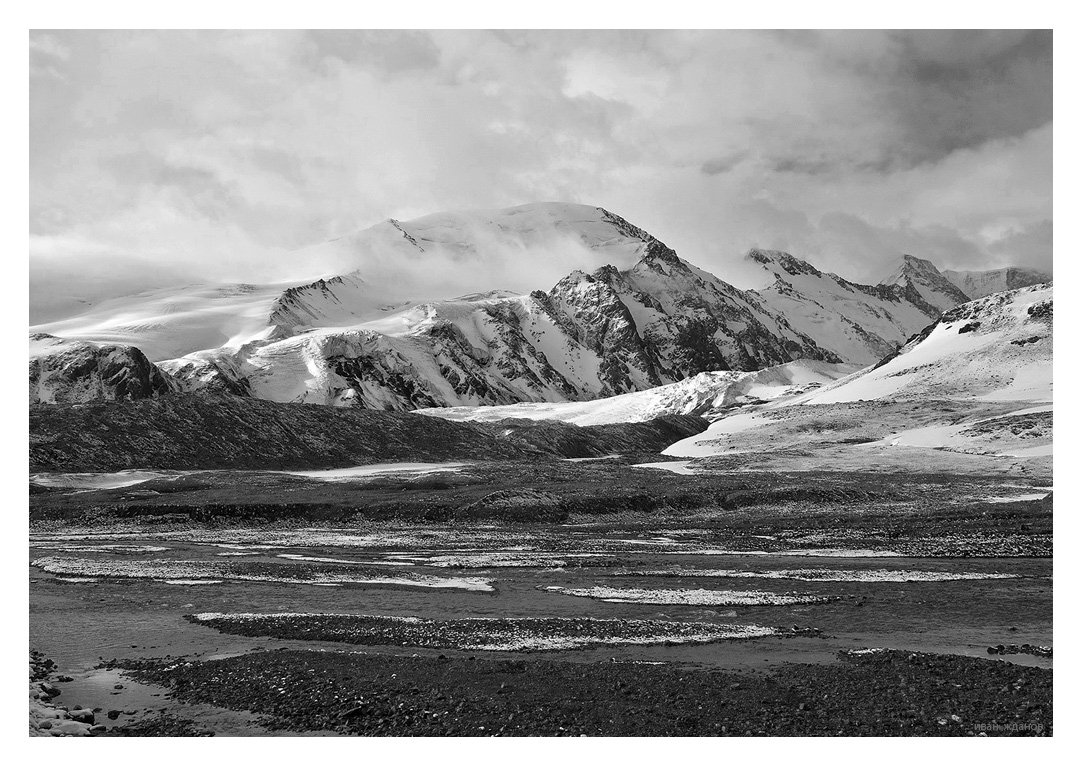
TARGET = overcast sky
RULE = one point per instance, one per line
(160, 157)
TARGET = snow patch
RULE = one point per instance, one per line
(687, 596)
(677, 467)
(701, 394)
(98, 481)
(378, 469)
(855, 576)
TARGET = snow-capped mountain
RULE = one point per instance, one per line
(665, 319)
(997, 348)
(592, 335)
(376, 272)
(979, 381)
(857, 323)
(631, 316)
(173, 322)
(63, 371)
(924, 279)
(984, 283)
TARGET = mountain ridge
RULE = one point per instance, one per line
(977, 382)
(350, 341)
(977, 284)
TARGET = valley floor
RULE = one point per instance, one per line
(624, 600)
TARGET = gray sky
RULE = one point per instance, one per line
(161, 157)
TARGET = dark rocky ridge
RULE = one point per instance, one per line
(224, 432)
(217, 432)
(556, 438)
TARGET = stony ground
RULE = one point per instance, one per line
(873, 693)
(48, 720)
(911, 503)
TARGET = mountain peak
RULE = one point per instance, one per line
(574, 277)
(922, 276)
(660, 260)
(779, 262)
(907, 266)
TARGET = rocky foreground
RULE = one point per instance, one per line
(48, 720)
(871, 692)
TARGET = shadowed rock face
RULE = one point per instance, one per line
(76, 371)
(664, 320)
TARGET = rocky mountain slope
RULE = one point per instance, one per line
(983, 283)
(371, 337)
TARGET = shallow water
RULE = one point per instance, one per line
(75, 622)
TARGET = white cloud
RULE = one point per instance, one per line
(215, 155)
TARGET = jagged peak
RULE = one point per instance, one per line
(625, 227)
(919, 275)
(605, 273)
(775, 260)
(659, 252)
(574, 277)
(908, 266)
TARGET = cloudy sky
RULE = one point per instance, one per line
(165, 157)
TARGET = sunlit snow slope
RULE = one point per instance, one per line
(706, 394)
(995, 348)
(858, 323)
